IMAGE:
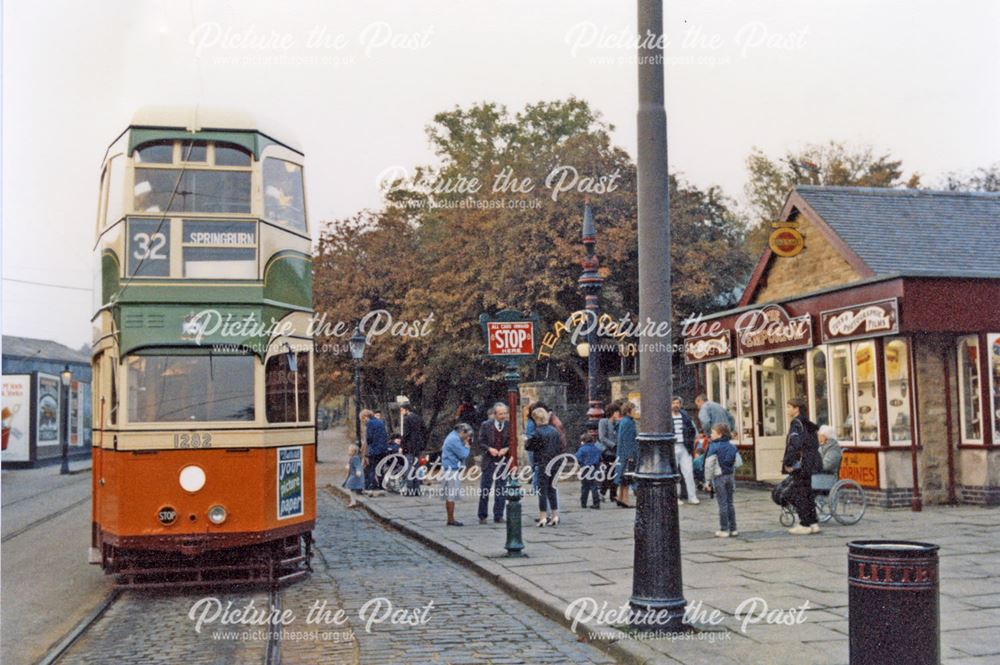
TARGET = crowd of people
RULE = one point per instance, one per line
(705, 458)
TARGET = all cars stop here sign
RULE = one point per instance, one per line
(510, 338)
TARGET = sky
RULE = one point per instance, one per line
(356, 83)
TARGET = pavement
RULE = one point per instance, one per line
(48, 587)
(590, 556)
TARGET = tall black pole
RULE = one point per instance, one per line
(64, 429)
(357, 403)
(657, 600)
(590, 283)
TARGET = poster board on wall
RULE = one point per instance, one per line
(16, 405)
(48, 410)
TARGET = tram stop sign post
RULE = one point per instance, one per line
(511, 338)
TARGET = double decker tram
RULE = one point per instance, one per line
(203, 464)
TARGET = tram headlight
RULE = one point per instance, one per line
(217, 514)
(192, 478)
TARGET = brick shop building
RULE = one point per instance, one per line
(882, 308)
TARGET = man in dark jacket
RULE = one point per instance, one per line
(685, 433)
(413, 444)
(493, 444)
(802, 460)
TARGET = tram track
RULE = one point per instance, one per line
(272, 654)
(42, 520)
(63, 645)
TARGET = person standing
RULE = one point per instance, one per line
(607, 443)
(712, 413)
(720, 465)
(588, 456)
(453, 454)
(412, 426)
(546, 445)
(355, 481)
(627, 452)
(685, 433)
(493, 446)
(376, 448)
(801, 461)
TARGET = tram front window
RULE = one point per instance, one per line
(191, 190)
(190, 388)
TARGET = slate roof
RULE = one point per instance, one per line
(43, 349)
(914, 232)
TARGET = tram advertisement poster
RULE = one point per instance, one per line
(290, 482)
(16, 393)
(48, 410)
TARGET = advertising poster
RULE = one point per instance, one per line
(16, 417)
(48, 410)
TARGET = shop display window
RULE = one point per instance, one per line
(866, 405)
(772, 400)
(969, 393)
(841, 393)
(819, 397)
(994, 345)
(745, 417)
(896, 353)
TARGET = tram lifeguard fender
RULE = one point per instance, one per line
(139, 485)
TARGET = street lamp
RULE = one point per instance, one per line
(657, 590)
(357, 345)
(590, 283)
(66, 377)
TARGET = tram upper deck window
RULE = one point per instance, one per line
(192, 190)
(227, 154)
(156, 152)
(199, 388)
(284, 197)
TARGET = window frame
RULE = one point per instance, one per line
(977, 393)
(993, 367)
(906, 381)
(855, 386)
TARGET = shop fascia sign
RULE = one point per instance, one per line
(769, 329)
(867, 320)
(710, 346)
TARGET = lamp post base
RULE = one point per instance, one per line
(514, 545)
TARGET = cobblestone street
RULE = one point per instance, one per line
(357, 560)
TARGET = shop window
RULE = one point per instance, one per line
(897, 390)
(819, 390)
(866, 413)
(286, 383)
(745, 423)
(714, 382)
(969, 392)
(994, 345)
(728, 400)
(841, 393)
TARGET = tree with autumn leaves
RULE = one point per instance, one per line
(496, 224)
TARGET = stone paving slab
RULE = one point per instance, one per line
(590, 555)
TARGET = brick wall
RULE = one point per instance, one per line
(817, 266)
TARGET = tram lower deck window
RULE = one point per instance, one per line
(164, 388)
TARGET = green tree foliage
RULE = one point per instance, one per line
(439, 248)
(834, 163)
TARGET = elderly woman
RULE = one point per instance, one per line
(453, 454)
(627, 452)
(829, 450)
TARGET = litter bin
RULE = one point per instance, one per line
(893, 614)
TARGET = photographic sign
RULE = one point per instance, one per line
(510, 335)
(16, 400)
(290, 484)
(869, 320)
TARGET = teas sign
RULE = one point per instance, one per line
(510, 338)
(290, 502)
